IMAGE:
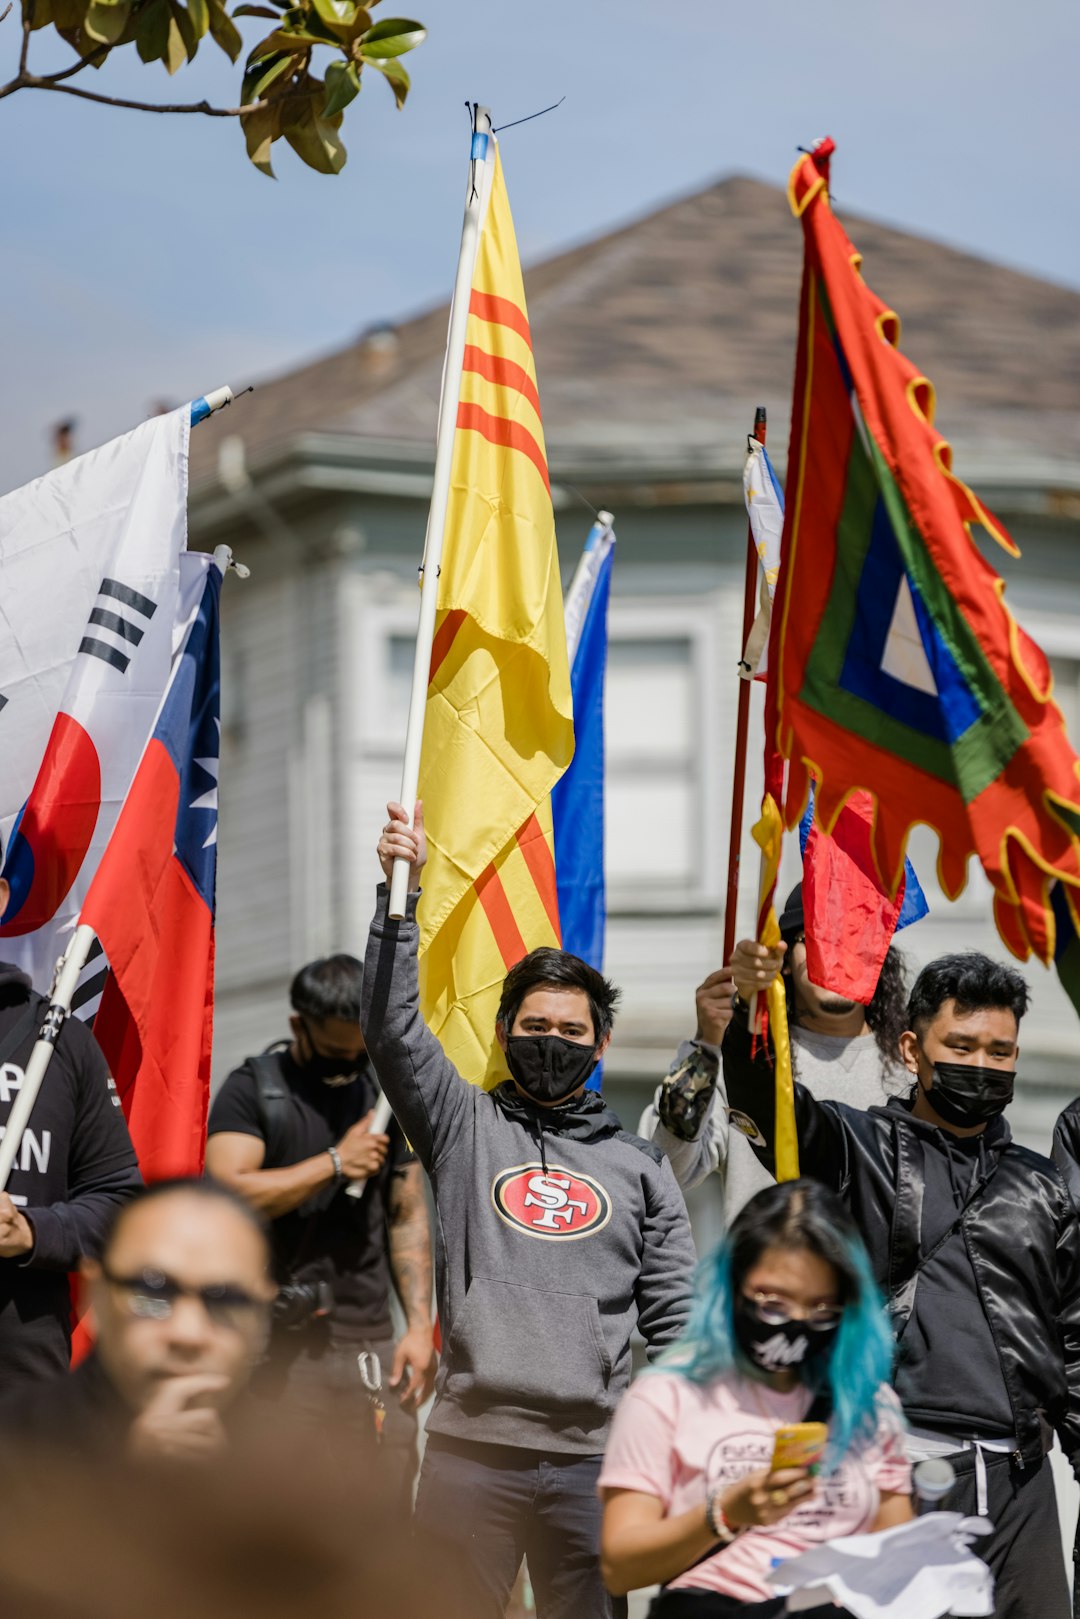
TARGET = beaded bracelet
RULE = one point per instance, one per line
(717, 1521)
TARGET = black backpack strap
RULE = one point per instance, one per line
(272, 1097)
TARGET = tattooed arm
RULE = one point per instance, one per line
(410, 1265)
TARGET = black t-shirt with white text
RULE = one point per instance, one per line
(332, 1237)
(74, 1167)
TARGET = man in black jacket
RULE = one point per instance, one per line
(75, 1165)
(974, 1241)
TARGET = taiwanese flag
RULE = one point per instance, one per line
(152, 903)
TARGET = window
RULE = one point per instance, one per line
(650, 724)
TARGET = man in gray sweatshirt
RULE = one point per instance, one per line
(557, 1231)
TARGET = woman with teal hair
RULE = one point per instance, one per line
(787, 1327)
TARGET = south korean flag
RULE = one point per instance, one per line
(91, 555)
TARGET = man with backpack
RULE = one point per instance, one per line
(291, 1131)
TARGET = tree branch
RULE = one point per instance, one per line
(27, 28)
(87, 61)
(32, 81)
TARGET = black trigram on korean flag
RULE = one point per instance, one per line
(118, 622)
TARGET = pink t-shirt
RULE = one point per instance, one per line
(680, 1441)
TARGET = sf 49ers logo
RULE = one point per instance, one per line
(550, 1203)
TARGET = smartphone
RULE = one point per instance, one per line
(801, 1445)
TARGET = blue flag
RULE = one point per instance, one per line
(577, 801)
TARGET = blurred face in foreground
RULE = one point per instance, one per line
(182, 1291)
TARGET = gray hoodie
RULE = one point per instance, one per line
(556, 1231)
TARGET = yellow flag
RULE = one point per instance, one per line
(498, 728)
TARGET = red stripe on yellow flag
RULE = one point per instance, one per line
(498, 728)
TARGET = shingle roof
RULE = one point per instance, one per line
(654, 343)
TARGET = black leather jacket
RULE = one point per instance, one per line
(1021, 1233)
(1066, 1149)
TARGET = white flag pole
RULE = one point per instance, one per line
(65, 984)
(475, 200)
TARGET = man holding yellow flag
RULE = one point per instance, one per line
(558, 1232)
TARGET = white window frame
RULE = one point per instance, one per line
(693, 620)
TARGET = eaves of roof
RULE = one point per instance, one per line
(661, 471)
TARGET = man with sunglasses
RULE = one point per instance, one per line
(180, 1301)
(290, 1131)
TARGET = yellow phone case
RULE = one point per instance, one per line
(800, 1445)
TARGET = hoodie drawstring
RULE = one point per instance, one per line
(540, 1139)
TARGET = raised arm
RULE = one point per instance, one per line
(750, 1079)
(428, 1095)
(687, 1119)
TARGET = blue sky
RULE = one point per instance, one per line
(143, 258)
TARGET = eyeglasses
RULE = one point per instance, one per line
(152, 1296)
(772, 1311)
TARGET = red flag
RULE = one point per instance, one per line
(152, 904)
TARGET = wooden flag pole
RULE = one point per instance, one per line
(742, 729)
(475, 201)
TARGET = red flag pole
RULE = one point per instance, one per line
(738, 783)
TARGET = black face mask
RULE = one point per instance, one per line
(330, 1070)
(779, 1347)
(548, 1067)
(967, 1096)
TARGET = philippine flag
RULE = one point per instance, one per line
(151, 903)
(91, 558)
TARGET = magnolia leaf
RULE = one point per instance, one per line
(305, 26)
(224, 31)
(185, 29)
(175, 49)
(392, 38)
(397, 78)
(64, 13)
(336, 13)
(199, 12)
(105, 21)
(254, 11)
(261, 129)
(152, 30)
(313, 138)
(342, 86)
(271, 69)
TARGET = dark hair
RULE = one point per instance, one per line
(886, 1014)
(557, 969)
(970, 979)
(186, 1186)
(329, 987)
(799, 1215)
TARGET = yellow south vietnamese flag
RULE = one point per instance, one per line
(498, 728)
